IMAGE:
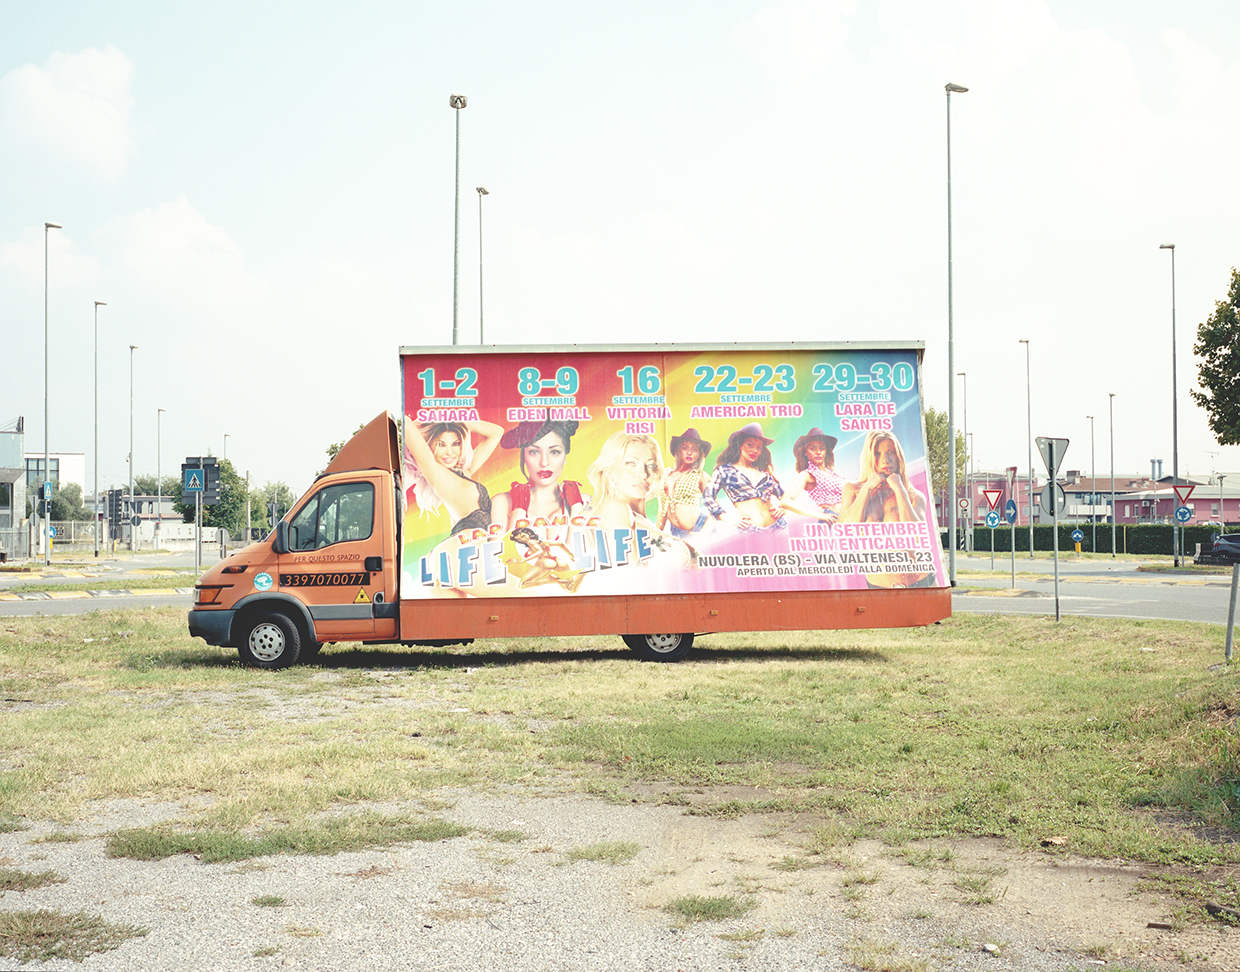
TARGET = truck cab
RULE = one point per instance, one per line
(328, 572)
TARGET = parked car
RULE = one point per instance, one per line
(1226, 547)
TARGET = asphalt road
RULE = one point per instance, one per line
(1089, 588)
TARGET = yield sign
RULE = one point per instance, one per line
(993, 496)
(1052, 453)
(1183, 493)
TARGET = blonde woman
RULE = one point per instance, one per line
(627, 469)
(883, 493)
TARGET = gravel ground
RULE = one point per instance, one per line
(477, 902)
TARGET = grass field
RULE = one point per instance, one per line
(1117, 735)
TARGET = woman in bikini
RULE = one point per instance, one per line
(544, 450)
(442, 460)
(745, 474)
(816, 477)
(680, 500)
(542, 564)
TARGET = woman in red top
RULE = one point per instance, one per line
(544, 450)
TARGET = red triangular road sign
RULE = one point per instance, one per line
(1183, 493)
(993, 496)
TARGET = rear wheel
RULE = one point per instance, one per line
(660, 647)
(271, 641)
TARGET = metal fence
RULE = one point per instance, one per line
(14, 543)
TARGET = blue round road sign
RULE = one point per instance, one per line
(1077, 536)
(1009, 511)
(1183, 514)
(992, 519)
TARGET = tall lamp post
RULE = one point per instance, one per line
(951, 349)
(98, 304)
(133, 537)
(1176, 532)
(1114, 519)
(1093, 487)
(458, 102)
(47, 449)
(481, 192)
(964, 398)
(1029, 412)
(159, 485)
(226, 435)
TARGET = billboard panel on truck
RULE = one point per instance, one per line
(668, 470)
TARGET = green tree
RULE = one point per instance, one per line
(66, 504)
(146, 486)
(937, 457)
(1218, 347)
(280, 494)
(229, 512)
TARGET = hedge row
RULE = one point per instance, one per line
(1144, 538)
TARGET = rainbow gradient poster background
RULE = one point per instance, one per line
(846, 392)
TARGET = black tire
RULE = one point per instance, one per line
(660, 647)
(272, 640)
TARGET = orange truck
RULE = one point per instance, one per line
(652, 492)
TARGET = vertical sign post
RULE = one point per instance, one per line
(1011, 515)
(1052, 454)
(992, 518)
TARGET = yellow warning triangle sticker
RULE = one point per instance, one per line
(361, 597)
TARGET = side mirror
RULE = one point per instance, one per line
(281, 544)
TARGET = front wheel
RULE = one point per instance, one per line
(272, 641)
(660, 647)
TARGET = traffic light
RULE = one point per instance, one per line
(211, 491)
(115, 510)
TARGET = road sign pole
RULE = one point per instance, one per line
(1231, 608)
(198, 532)
(1055, 520)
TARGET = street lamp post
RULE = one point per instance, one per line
(481, 192)
(46, 536)
(98, 304)
(964, 399)
(1029, 412)
(159, 484)
(133, 537)
(226, 435)
(1093, 488)
(951, 349)
(1114, 518)
(458, 102)
(1176, 533)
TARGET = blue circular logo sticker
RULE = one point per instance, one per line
(262, 582)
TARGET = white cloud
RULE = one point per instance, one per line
(798, 40)
(77, 107)
(66, 264)
(174, 252)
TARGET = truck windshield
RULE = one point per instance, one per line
(333, 515)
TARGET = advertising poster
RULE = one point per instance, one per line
(545, 473)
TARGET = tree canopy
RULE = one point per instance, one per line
(937, 452)
(1218, 347)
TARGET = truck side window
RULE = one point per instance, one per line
(333, 515)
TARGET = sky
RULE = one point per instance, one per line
(263, 194)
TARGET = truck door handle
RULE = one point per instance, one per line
(374, 564)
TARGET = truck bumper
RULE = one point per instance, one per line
(213, 627)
